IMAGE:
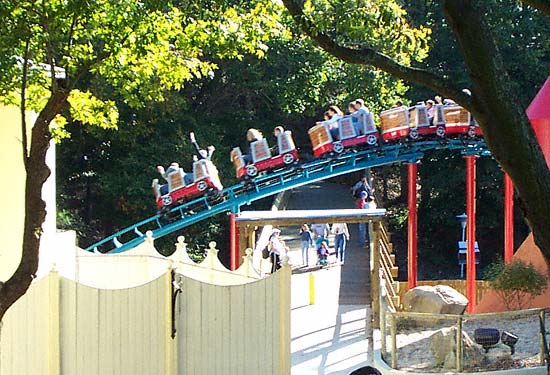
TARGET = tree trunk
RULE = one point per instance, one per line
(505, 126)
(35, 207)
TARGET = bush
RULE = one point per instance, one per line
(516, 283)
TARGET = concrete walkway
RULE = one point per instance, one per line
(329, 336)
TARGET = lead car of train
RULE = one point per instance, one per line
(397, 125)
(181, 187)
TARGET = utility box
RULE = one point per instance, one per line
(462, 255)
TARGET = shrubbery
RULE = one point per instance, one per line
(516, 283)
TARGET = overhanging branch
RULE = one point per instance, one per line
(369, 56)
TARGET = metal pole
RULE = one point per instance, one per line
(311, 289)
(412, 235)
(471, 231)
(508, 218)
(233, 243)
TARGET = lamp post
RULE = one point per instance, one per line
(462, 218)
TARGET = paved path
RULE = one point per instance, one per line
(328, 337)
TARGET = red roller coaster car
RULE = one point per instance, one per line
(205, 180)
(352, 131)
(262, 160)
(457, 120)
(403, 122)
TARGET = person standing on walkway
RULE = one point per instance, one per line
(360, 186)
(306, 238)
(276, 248)
(320, 230)
(362, 227)
(341, 237)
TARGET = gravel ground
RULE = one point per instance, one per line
(414, 353)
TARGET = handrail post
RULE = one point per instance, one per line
(383, 315)
(459, 353)
(374, 272)
(393, 333)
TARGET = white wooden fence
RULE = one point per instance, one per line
(226, 322)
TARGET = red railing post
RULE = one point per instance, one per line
(233, 242)
(471, 231)
(508, 218)
(412, 232)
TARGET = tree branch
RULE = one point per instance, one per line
(369, 56)
(542, 5)
(24, 103)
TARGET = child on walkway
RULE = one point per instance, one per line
(322, 251)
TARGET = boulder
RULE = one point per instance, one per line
(443, 349)
(439, 299)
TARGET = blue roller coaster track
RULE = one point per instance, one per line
(232, 198)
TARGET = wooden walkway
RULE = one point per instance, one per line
(353, 275)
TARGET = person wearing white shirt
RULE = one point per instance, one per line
(334, 113)
(276, 248)
(341, 236)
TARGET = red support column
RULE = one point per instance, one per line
(471, 231)
(508, 218)
(412, 221)
(233, 243)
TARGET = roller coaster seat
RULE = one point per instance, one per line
(203, 169)
(459, 121)
(262, 159)
(176, 180)
(364, 123)
(184, 187)
(285, 142)
(420, 121)
(346, 128)
(260, 150)
(321, 140)
(237, 158)
(395, 123)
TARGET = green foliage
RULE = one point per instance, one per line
(140, 48)
(516, 283)
(67, 220)
(379, 24)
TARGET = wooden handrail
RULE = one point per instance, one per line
(386, 266)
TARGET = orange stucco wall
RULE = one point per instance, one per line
(528, 252)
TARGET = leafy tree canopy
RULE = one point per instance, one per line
(141, 48)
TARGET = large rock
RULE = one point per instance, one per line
(439, 299)
(443, 349)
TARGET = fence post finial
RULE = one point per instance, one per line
(285, 261)
(211, 254)
(181, 245)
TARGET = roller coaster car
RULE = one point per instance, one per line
(457, 120)
(205, 181)
(403, 122)
(348, 129)
(262, 160)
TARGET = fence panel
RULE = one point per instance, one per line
(234, 329)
